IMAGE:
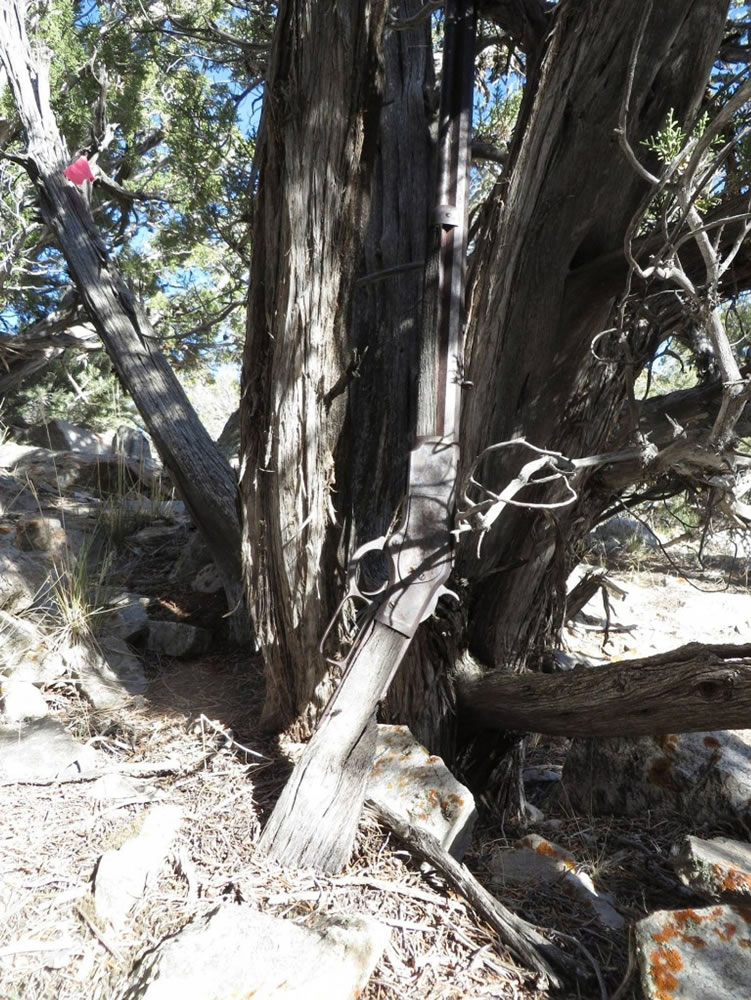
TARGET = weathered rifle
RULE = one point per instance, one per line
(315, 819)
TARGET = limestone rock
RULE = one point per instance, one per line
(109, 673)
(695, 954)
(61, 435)
(706, 776)
(43, 534)
(718, 869)
(421, 790)
(42, 750)
(21, 700)
(236, 951)
(128, 620)
(177, 639)
(534, 859)
(122, 875)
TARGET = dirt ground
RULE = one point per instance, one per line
(200, 720)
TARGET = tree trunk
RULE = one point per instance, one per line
(200, 473)
(316, 146)
(538, 298)
(692, 689)
(325, 429)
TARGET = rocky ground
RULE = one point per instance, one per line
(135, 781)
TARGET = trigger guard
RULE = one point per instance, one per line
(441, 592)
(353, 588)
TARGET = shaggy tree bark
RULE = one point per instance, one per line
(199, 471)
(537, 296)
(316, 147)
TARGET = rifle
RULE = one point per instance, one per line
(315, 820)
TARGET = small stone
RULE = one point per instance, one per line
(718, 869)
(700, 954)
(177, 639)
(43, 534)
(128, 619)
(235, 951)
(21, 701)
(419, 788)
(535, 859)
(120, 789)
(42, 750)
(123, 875)
(109, 674)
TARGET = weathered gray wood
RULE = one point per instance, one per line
(692, 689)
(522, 938)
(200, 472)
(315, 819)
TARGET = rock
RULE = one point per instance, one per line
(177, 639)
(207, 580)
(123, 875)
(193, 557)
(109, 674)
(60, 435)
(706, 776)
(23, 578)
(56, 471)
(695, 954)
(421, 790)
(534, 859)
(235, 951)
(42, 751)
(718, 869)
(119, 789)
(620, 532)
(132, 443)
(21, 701)
(43, 534)
(128, 619)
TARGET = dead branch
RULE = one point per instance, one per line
(522, 938)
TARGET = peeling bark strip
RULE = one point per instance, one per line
(688, 690)
(200, 472)
(316, 146)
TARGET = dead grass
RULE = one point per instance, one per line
(53, 945)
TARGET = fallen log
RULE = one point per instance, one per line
(694, 688)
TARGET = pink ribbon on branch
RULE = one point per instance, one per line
(79, 171)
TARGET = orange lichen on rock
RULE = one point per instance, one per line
(732, 879)
(665, 934)
(664, 964)
(726, 932)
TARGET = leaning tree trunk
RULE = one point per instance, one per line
(199, 471)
